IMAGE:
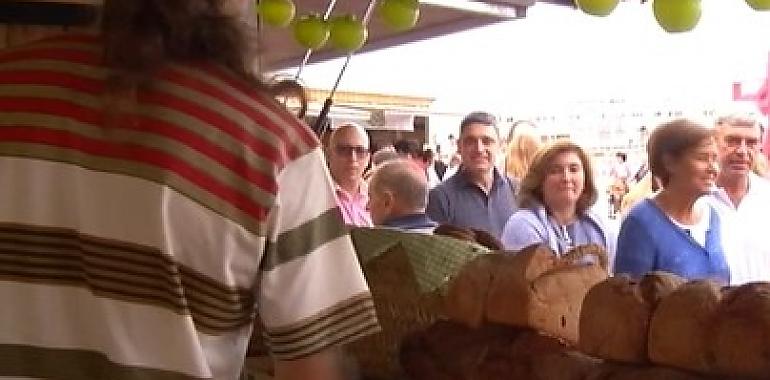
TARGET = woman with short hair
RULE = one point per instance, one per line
(672, 231)
(556, 197)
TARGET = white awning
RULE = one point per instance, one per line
(437, 18)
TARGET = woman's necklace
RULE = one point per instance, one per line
(564, 240)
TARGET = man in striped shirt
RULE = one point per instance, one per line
(154, 195)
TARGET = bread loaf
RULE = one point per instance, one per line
(742, 339)
(588, 253)
(535, 288)
(611, 371)
(466, 297)
(682, 325)
(564, 365)
(616, 313)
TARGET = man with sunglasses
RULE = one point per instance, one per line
(742, 198)
(348, 157)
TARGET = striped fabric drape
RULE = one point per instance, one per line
(17, 34)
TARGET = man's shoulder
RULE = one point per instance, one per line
(450, 185)
(759, 185)
(642, 211)
(527, 216)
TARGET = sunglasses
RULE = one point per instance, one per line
(347, 150)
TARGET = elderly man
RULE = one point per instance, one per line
(478, 196)
(348, 156)
(742, 199)
(398, 193)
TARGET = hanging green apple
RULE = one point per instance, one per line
(311, 31)
(597, 7)
(676, 16)
(760, 5)
(399, 14)
(276, 12)
(347, 33)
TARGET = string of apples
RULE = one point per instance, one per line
(674, 16)
(343, 32)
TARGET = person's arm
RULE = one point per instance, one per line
(438, 206)
(324, 365)
(635, 252)
(312, 295)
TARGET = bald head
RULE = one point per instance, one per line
(348, 156)
(397, 188)
(348, 132)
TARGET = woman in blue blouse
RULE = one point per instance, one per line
(672, 231)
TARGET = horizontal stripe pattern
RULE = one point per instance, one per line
(122, 271)
(338, 325)
(303, 239)
(206, 80)
(150, 164)
(243, 178)
(22, 361)
(200, 173)
(264, 104)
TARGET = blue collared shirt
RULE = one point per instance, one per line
(460, 202)
(412, 222)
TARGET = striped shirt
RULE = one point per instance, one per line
(141, 250)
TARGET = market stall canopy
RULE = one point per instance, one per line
(437, 18)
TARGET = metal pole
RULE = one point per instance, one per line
(306, 58)
(320, 122)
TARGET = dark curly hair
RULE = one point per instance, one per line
(142, 36)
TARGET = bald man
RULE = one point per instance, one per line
(348, 156)
(398, 195)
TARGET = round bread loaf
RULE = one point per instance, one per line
(466, 297)
(612, 371)
(537, 289)
(681, 327)
(616, 313)
(742, 339)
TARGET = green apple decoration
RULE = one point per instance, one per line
(311, 31)
(760, 5)
(597, 7)
(676, 16)
(400, 14)
(347, 33)
(276, 12)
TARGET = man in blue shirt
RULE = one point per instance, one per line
(398, 192)
(478, 196)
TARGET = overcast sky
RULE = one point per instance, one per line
(558, 54)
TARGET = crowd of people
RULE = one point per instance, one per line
(158, 203)
(694, 208)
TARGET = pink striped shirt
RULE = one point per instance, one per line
(353, 207)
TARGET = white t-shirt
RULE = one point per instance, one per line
(698, 230)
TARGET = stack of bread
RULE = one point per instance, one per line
(533, 288)
(511, 316)
(535, 315)
(696, 326)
